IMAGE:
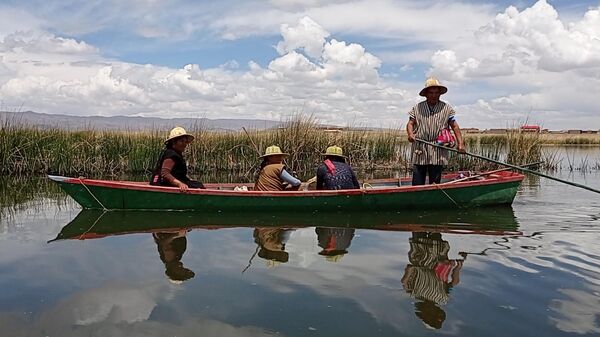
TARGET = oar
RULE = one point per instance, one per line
(522, 169)
(489, 172)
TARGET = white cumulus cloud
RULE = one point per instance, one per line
(498, 67)
(311, 74)
(307, 35)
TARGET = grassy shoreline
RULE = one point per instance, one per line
(26, 150)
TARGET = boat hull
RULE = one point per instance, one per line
(119, 195)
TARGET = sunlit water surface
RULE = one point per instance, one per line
(529, 270)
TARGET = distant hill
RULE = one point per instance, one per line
(130, 123)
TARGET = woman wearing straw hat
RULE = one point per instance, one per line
(428, 121)
(171, 168)
(334, 173)
(273, 175)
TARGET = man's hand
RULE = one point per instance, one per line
(411, 137)
(461, 148)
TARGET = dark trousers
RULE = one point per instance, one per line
(190, 183)
(421, 171)
(194, 184)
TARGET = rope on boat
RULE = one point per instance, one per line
(92, 194)
(449, 197)
(522, 169)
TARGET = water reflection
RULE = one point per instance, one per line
(17, 193)
(271, 244)
(95, 223)
(430, 275)
(334, 242)
(428, 258)
(171, 246)
(363, 285)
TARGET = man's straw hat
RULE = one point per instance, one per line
(273, 150)
(433, 82)
(334, 151)
(177, 132)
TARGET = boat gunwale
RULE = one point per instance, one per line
(500, 177)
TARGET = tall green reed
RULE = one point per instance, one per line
(26, 150)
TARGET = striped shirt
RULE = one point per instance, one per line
(429, 122)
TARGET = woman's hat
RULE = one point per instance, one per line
(177, 132)
(433, 82)
(273, 151)
(334, 151)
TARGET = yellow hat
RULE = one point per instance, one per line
(273, 150)
(334, 151)
(433, 82)
(177, 132)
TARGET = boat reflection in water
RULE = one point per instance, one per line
(428, 277)
(89, 224)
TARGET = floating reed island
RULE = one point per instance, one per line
(29, 150)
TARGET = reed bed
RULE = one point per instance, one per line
(26, 150)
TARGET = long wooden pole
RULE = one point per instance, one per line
(522, 169)
(488, 173)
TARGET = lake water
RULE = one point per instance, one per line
(530, 269)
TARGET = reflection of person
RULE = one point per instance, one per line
(171, 168)
(334, 173)
(430, 276)
(334, 242)
(171, 246)
(271, 242)
(273, 174)
(427, 121)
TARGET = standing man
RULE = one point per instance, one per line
(427, 120)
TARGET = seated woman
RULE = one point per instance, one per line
(334, 173)
(272, 174)
(171, 168)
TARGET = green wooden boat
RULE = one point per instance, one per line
(376, 195)
(93, 224)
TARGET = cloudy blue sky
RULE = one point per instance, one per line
(345, 62)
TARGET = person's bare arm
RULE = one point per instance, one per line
(165, 172)
(459, 137)
(410, 129)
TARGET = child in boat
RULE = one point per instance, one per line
(171, 168)
(273, 175)
(334, 173)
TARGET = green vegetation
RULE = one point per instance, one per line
(28, 150)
